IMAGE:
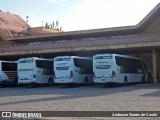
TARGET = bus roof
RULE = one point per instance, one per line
(126, 56)
(8, 61)
(36, 58)
(73, 57)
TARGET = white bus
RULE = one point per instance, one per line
(73, 69)
(35, 71)
(8, 73)
(114, 68)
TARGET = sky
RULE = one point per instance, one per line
(76, 15)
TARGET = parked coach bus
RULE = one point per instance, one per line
(8, 73)
(35, 71)
(73, 69)
(114, 68)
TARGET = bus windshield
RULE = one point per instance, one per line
(103, 62)
(62, 59)
(6, 66)
(26, 61)
(103, 57)
(62, 66)
(102, 66)
(25, 64)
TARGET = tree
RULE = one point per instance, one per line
(27, 18)
(57, 23)
(53, 24)
(46, 25)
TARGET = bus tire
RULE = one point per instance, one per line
(34, 85)
(86, 82)
(125, 81)
(4, 85)
(15, 83)
(50, 81)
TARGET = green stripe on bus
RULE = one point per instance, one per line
(46, 72)
(58, 59)
(82, 70)
(98, 57)
(121, 69)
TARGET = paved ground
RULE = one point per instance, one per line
(88, 98)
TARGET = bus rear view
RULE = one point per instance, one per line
(73, 69)
(63, 70)
(35, 71)
(26, 71)
(103, 68)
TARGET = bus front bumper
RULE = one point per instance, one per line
(26, 81)
(104, 80)
(63, 81)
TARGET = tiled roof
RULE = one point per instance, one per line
(42, 30)
(11, 24)
(12, 20)
(4, 32)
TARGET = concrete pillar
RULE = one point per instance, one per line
(154, 62)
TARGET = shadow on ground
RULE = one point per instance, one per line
(62, 93)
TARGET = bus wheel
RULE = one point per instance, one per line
(4, 85)
(15, 83)
(86, 82)
(125, 81)
(50, 81)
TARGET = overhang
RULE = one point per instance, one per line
(126, 30)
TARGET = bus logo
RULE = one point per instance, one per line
(6, 114)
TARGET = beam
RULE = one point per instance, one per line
(80, 48)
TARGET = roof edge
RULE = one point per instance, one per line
(148, 15)
(92, 31)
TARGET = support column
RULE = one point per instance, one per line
(154, 63)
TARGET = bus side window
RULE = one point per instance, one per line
(120, 62)
(133, 66)
(127, 65)
(84, 63)
(139, 66)
(117, 61)
(9, 66)
(39, 63)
